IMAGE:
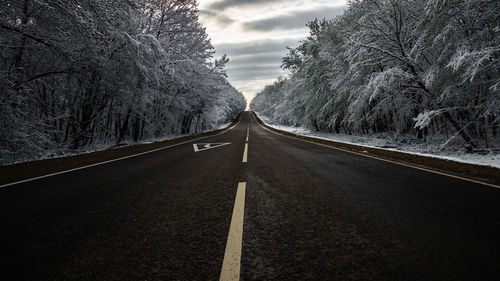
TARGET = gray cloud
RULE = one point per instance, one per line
(255, 60)
(255, 47)
(224, 4)
(260, 59)
(221, 19)
(293, 20)
(253, 68)
(207, 13)
(246, 73)
(224, 20)
(259, 69)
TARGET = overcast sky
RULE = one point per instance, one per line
(255, 33)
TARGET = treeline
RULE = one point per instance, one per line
(399, 66)
(75, 74)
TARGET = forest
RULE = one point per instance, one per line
(85, 73)
(401, 67)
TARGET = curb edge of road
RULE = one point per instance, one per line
(148, 148)
(484, 175)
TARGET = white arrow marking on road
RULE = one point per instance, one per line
(205, 146)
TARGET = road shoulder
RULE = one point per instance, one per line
(481, 174)
(37, 168)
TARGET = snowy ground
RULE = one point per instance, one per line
(95, 148)
(100, 147)
(222, 126)
(430, 148)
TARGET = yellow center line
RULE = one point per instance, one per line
(245, 153)
(232, 257)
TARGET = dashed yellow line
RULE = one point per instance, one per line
(245, 153)
(232, 256)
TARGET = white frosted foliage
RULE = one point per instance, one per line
(411, 69)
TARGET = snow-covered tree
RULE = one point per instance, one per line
(398, 66)
(75, 74)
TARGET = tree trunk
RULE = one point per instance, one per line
(124, 127)
(462, 131)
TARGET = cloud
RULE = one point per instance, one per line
(224, 20)
(259, 59)
(249, 73)
(255, 33)
(207, 13)
(221, 19)
(225, 4)
(251, 87)
(292, 20)
(256, 47)
(254, 63)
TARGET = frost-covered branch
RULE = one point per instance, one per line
(382, 65)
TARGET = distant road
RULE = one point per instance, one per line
(303, 212)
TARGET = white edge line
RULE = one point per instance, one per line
(117, 159)
(381, 159)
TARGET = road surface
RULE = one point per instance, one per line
(303, 212)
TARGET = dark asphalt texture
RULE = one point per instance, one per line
(311, 213)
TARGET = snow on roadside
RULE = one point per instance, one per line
(60, 153)
(222, 126)
(428, 149)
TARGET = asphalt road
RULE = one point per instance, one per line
(310, 213)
